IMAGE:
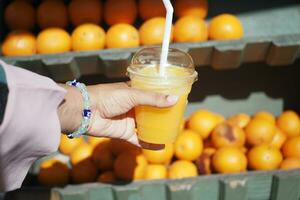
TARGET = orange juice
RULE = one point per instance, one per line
(161, 125)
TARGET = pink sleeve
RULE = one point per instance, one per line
(31, 127)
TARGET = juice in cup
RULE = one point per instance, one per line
(161, 125)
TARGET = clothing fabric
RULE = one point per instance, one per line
(30, 127)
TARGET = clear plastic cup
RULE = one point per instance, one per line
(161, 125)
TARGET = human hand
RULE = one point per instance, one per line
(112, 109)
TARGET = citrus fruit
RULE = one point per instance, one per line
(290, 163)
(289, 123)
(259, 131)
(278, 139)
(162, 156)
(190, 29)
(116, 12)
(107, 177)
(19, 15)
(225, 27)
(220, 118)
(204, 161)
(53, 40)
(155, 171)
(53, 173)
(67, 146)
(188, 145)
(82, 152)
(19, 43)
(82, 11)
(118, 146)
(182, 169)
(52, 14)
(226, 134)
(152, 31)
(241, 120)
(122, 36)
(88, 37)
(84, 172)
(203, 122)
(291, 148)
(265, 115)
(94, 141)
(229, 160)
(149, 9)
(264, 157)
(103, 157)
(196, 8)
(130, 166)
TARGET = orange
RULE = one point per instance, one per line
(162, 156)
(130, 166)
(229, 160)
(264, 157)
(94, 141)
(225, 27)
(204, 162)
(84, 172)
(82, 11)
(122, 36)
(103, 157)
(203, 122)
(82, 152)
(182, 169)
(220, 118)
(53, 173)
(67, 146)
(265, 115)
(289, 123)
(52, 14)
(149, 9)
(196, 8)
(107, 177)
(19, 15)
(278, 139)
(291, 148)
(259, 131)
(156, 171)
(290, 163)
(118, 146)
(116, 11)
(190, 29)
(19, 43)
(88, 37)
(241, 120)
(226, 134)
(53, 40)
(152, 31)
(188, 145)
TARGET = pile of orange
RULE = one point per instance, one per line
(207, 144)
(53, 18)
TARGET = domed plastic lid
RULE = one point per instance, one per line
(150, 57)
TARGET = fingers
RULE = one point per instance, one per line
(139, 97)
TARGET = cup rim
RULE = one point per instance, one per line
(130, 71)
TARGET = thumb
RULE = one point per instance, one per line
(140, 97)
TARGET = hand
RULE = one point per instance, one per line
(112, 109)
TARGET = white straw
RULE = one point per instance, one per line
(167, 34)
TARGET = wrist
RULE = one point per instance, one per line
(70, 110)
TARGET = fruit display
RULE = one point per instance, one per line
(112, 21)
(237, 144)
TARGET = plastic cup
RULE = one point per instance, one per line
(161, 125)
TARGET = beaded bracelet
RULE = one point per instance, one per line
(86, 113)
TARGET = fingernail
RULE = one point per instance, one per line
(172, 99)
